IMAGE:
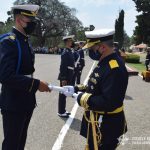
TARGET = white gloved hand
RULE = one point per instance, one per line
(68, 94)
(75, 95)
(69, 89)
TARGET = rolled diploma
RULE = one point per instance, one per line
(56, 88)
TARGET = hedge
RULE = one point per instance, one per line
(132, 58)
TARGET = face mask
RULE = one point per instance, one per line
(94, 55)
(73, 45)
(30, 27)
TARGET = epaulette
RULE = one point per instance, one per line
(12, 37)
(9, 36)
(64, 51)
(113, 64)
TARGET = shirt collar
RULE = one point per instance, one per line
(19, 34)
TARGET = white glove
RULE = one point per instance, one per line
(75, 95)
(69, 89)
(68, 94)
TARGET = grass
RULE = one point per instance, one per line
(139, 67)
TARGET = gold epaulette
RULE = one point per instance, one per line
(81, 87)
(113, 64)
(12, 37)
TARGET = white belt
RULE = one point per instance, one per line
(71, 68)
(30, 75)
(82, 58)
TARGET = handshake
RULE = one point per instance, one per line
(66, 90)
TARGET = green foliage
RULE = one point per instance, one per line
(119, 29)
(142, 5)
(142, 31)
(130, 51)
(6, 27)
(126, 42)
(132, 58)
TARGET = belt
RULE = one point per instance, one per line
(93, 120)
(118, 110)
(30, 75)
(71, 68)
(82, 58)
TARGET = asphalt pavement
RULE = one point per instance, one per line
(45, 125)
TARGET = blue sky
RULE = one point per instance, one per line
(100, 13)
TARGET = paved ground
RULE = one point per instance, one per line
(45, 125)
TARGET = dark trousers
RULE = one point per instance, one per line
(79, 76)
(62, 100)
(74, 79)
(104, 146)
(62, 103)
(15, 126)
(146, 64)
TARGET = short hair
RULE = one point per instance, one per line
(15, 15)
(66, 40)
(109, 43)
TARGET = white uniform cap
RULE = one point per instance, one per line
(68, 37)
(97, 36)
(99, 33)
(27, 10)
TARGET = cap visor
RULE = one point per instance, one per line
(88, 45)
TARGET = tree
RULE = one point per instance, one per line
(56, 19)
(119, 29)
(142, 6)
(126, 42)
(142, 31)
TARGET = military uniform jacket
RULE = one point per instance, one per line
(82, 61)
(18, 90)
(107, 84)
(76, 59)
(147, 59)
(66, 65)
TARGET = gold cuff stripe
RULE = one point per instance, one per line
(31, 85)
(84, 99)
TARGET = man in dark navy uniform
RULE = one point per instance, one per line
(103, 122)
(76, 63)
(116, 48)
(147, 61)
(66, 73)
(17, 98)
(81, 61)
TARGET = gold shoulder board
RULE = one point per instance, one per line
(113, 64)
